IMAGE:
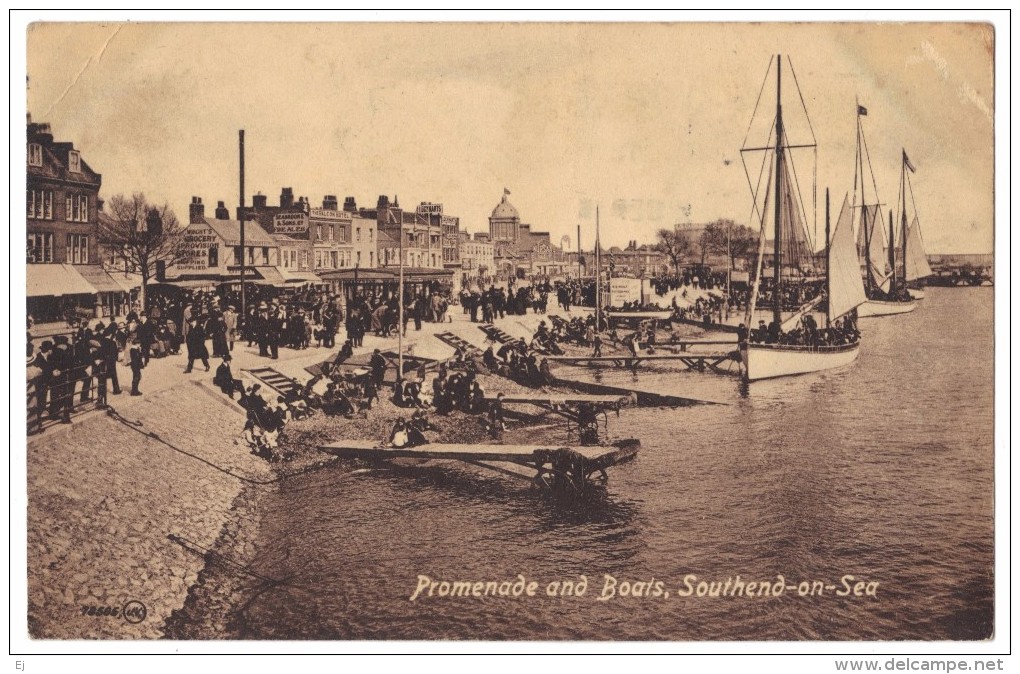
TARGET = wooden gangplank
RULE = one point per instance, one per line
(495, 334)
(573, 468)
(459, 343)
(275, 380)
(693, 361)
(575, 399)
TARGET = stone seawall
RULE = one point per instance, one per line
(121, 506)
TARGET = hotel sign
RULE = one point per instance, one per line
(330, 214)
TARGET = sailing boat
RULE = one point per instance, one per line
(771, 352)
(915, 262)
(885, 296)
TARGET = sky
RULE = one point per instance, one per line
(644, 120)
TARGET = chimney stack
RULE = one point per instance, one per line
(329, 202)
(258, 201)
(350, 206)
(221, 211)
(384, 201)
(287, 198)
(196, 211)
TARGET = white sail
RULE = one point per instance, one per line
(917, 261)
(846, 288)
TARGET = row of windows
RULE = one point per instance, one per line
(35, 158)
(339, 259)
(39, 206)
(334, 233)
(40, 248)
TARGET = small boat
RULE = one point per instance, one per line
(767, 354)
(875, 308)
(887, 294)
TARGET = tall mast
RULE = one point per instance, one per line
(400, 301)
(598, 274)
(864, 207)
(828, 263)
(903, 222)
(777, 266)
(892, 257)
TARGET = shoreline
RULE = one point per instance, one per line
(159, 502)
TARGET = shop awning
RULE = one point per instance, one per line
(270, 276)
(300, 276)
(55, 280)
(127, 282)
(99, 279)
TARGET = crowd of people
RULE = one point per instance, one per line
(494, 303)
(807, 333)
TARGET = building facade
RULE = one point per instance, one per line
(214, 253)
(66, 279)
(478, 265)
(517, 249)
(62, 198)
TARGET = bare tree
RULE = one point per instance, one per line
(725, 237)
(675, 244)
(143, 235)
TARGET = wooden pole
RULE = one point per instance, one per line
(828, 265)
(777, 267)
(240, 140)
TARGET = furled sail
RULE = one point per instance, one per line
(871, 222)
(917, 261)
(796, 244)
(846, 289)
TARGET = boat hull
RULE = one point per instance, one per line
(768, 361)
(875, 308)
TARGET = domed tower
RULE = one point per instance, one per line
(505, 221)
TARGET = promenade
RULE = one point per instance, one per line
(122, 503)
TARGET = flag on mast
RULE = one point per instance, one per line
(506, 191)
(906, 160)
(861, 110)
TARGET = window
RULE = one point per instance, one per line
(332, 232)
(304, 259)
(359, 258)
(77, 249)
(34, 154)
(74, 161)
(214, 256)
(334, 258)
(251, 256)
(77, 206)
(237, 255)
(357, 234)
(318, 232)
(40, 247)
(318, 259)
(40, 204)
(341, 234)
(370, 230)
(371, 262)
(265, 256)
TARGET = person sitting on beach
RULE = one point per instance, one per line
(224, 379)
(403, 436)
(420, 422)
(476, 399)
